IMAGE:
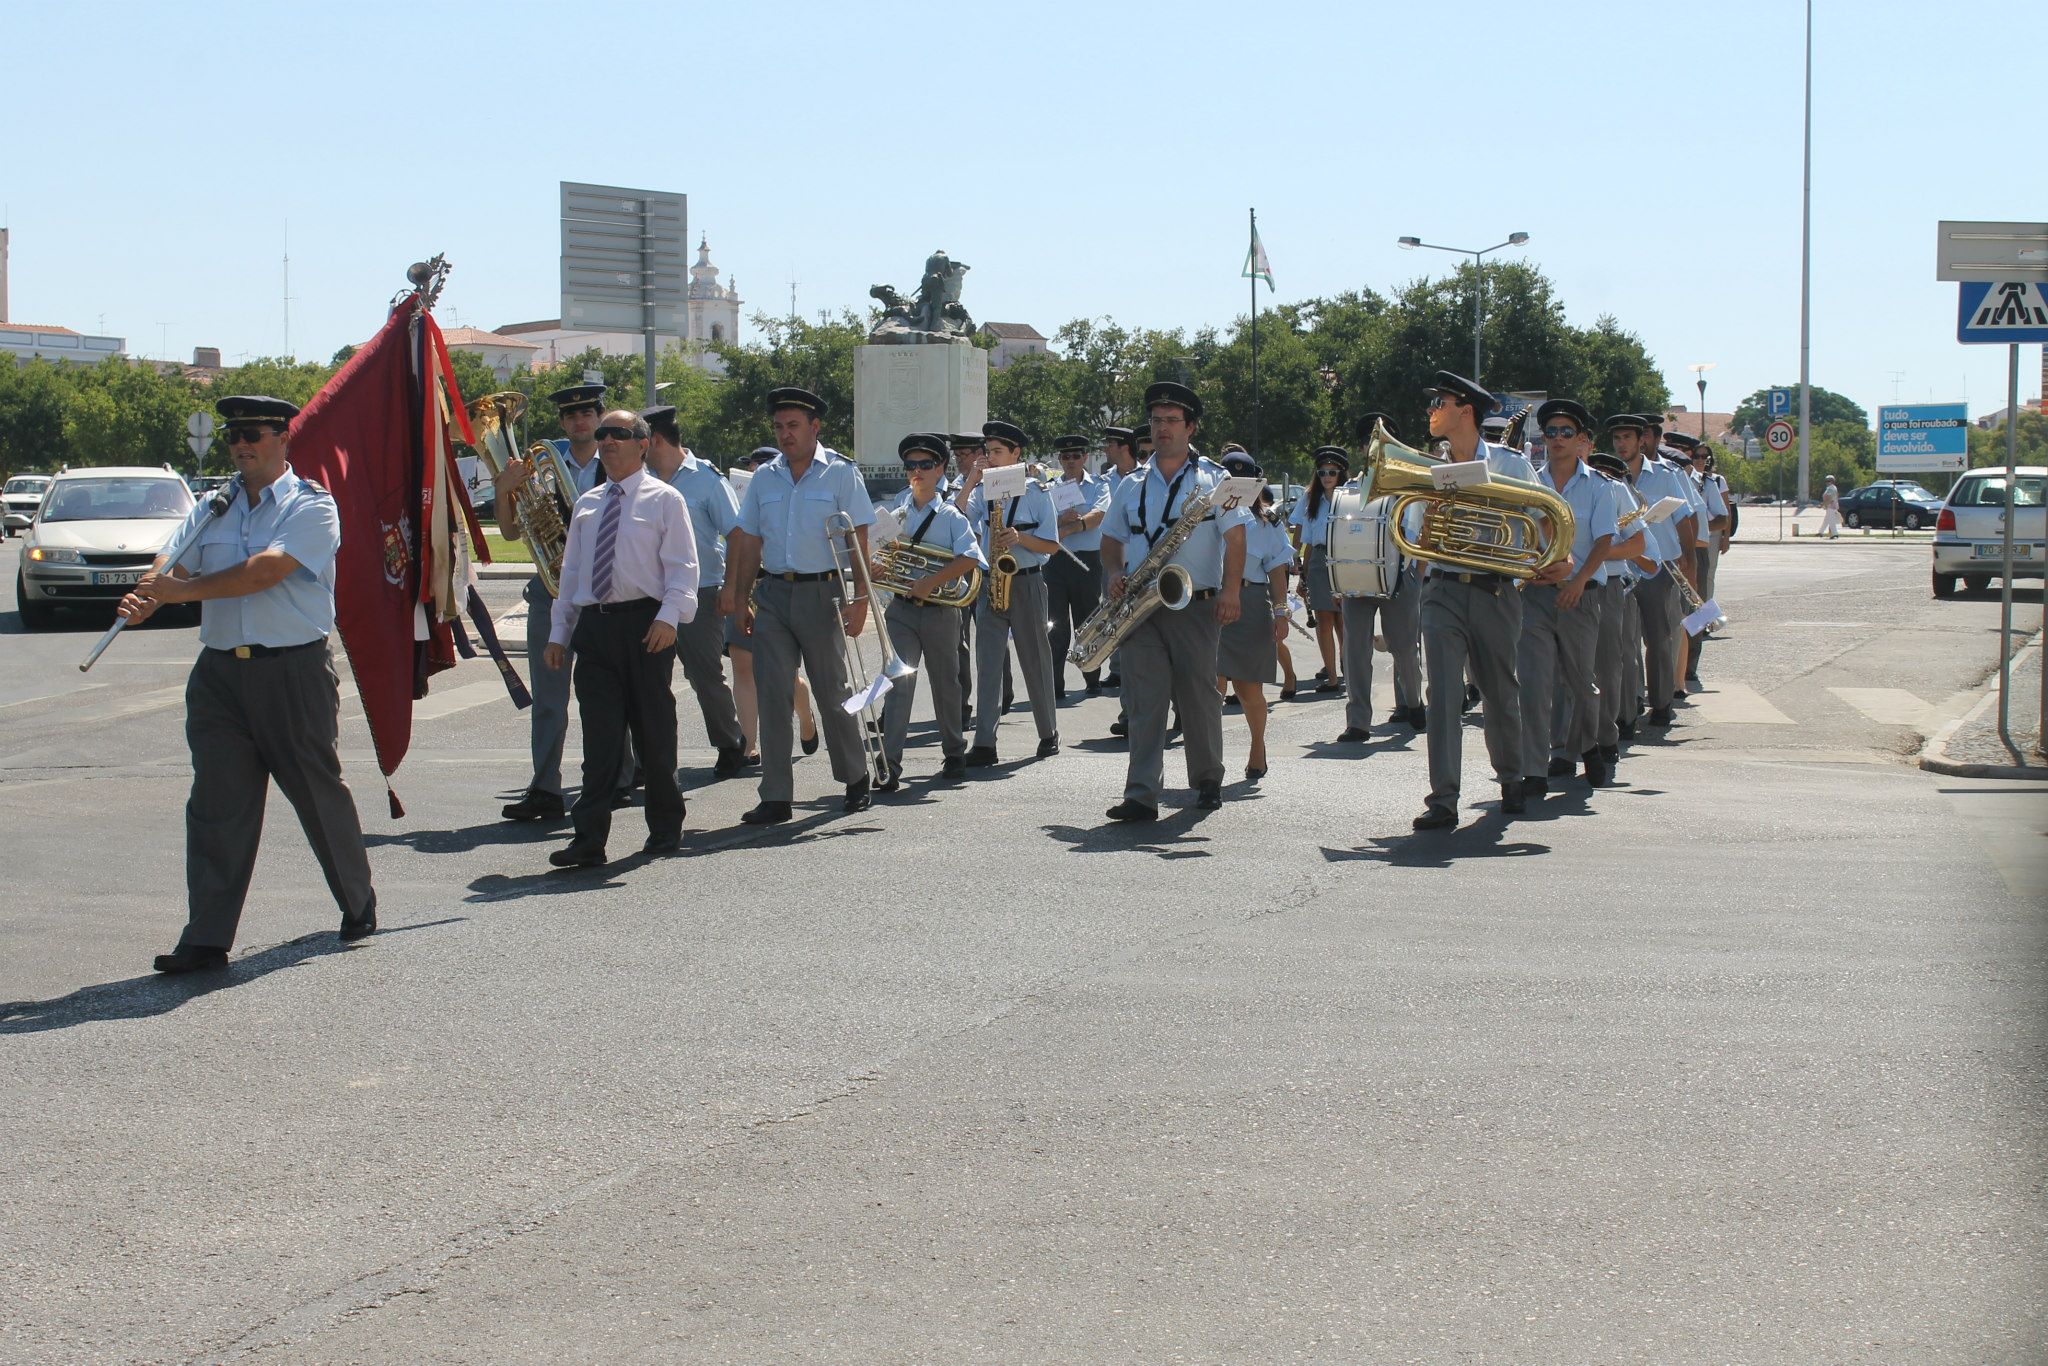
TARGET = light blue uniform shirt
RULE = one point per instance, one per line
(789, 517)
(1315, 531)
(949, 526)
(1141, 514)
(714, 512)
(1029, 512)
(290, 515)
(1592, 505)
(1094, 498)
(1624, 502)
(1711, 504)
(1657, 480)
(1266, 549)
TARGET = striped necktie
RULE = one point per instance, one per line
(607, 545)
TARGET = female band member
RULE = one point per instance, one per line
(1311, 523)
(1246, 649)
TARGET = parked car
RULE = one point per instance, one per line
(1890, 505)
(97, 534)
(20, 499)
(1969, 532)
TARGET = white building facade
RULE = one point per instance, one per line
(712, 314)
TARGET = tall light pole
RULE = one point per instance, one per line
(1699, 375)
(1515, 239)
(1806, 275)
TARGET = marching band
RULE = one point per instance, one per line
(1568, 594)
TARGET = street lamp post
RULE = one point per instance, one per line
(1515, 239)
(1699, 374)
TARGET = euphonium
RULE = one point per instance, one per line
(899, 564)
(545, 498)
(1498, 527)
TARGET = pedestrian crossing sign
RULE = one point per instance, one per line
(2004, 312)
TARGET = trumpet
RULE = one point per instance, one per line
(844, 541)
(1498, 527)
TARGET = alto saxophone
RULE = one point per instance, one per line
(1004, 572)
(1152, 585)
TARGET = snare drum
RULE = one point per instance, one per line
(1360, 552)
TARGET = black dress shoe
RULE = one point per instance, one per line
(1678, 694)
(730, 762)
(892, 783)
(536, 805)
(1471, 696)
(981, 756)
(1353, 735)
(188, 959)
(1209, 797)
(1112, 680)
(1095, 690)
(1628, 730)
(1660, 716)
(1252, 775)
(1511, 803)
(577, 856)
(662, 844)
(1597, 772)
(1130, 811)
(1536, 787)
(1418, 718)
(1560, 768)
(857, 797)
(1059, 694)
(954, 769)
(621, 800)
(1118, 728)
(1230, 700)
(768, 813)
(1287, 693)
(1435, 818)
(639, 777)
(1612, 754)
(810, 746)
(1049, 747)
(354, 927)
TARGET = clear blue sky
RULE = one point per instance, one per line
(1084, 159)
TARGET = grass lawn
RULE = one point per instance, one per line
(504, 551)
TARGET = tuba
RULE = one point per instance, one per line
(1513, 527)
(546, 497)
(899, 564)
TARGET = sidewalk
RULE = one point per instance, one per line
(1970, 747)
(1771, 522)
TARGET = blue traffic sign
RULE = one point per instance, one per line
(2002, 312)
(1778, 403)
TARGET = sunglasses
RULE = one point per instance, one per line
(920, 464)
(615, 433)
(235, 436)
(1559, 433)
(1437, 401)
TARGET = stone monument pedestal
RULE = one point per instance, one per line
(897, 390)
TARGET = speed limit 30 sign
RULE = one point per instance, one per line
(1779, 436)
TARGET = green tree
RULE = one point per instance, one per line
(1987, 444)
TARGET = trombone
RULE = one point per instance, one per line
(844, 541)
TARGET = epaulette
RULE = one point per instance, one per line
(308, 483)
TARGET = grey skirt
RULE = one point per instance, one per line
(1315, 582)
(1244, 649)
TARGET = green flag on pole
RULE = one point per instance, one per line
(1256, 266)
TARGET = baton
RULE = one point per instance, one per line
(219, 502)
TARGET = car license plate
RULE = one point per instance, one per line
(2020, 551)
(114, 577)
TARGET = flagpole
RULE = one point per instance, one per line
(1253, 258)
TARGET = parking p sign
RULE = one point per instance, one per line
(1778, 403)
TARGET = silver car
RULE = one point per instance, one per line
(1969, 532)
(99, 531)
(19, 500)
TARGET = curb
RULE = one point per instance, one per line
(1934, 754)
(504, 571)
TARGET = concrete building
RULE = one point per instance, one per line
(1013, 342)
(505, 355)
(30, 341)
(712, 314)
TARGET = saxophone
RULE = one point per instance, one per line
(1152, 585)
(1005, 568)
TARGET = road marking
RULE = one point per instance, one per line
(1887, 706)
(514, 616)
(1735, 704)
(436, 705)
(54, 696)
(134, 704)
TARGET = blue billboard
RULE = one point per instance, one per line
(1923, 436)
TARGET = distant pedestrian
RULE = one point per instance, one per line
(1831, 511)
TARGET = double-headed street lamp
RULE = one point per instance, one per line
(1515, 239)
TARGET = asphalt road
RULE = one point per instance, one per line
(1738, 1061)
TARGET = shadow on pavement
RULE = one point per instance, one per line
(1483, 838)
(1170, 837)
(137, 998)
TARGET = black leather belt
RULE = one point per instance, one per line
(1034, 569)
(630, 605)
(1201, 595)
(801, 578)
(266, 651)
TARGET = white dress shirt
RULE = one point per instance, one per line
(655, 555)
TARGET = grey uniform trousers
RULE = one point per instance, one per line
(1657, 604)
(550, 688)
(250, 722)
(1025, 622)
(1400, 619)
(1607, 662)
(700, 649)
(1631, 702)
(926, 636)
(1557, 662)
(1471, 627)
(1072, 593)
(801, 623)
(1170, 658)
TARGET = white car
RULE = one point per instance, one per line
(99, 531)
(1969, 532)
(20, 499)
